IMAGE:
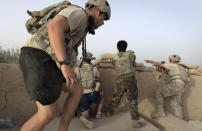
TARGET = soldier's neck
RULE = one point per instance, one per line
(85, 63)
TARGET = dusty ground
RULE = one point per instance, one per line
(118, 122)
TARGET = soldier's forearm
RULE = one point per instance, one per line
(157, 64)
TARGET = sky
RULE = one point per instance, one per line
(154, 29)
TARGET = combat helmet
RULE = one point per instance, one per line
(175, 58)
(89, 56)
(102, 5)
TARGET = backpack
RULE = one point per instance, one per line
(87, 76)
(123, 63)
(40, 18)
(184, 73)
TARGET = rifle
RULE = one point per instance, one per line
(158, 67)
(161, 69)
(83, 51)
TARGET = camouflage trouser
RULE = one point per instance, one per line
(126, 85)
(174, 91)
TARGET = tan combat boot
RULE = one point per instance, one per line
(158, 113)
(88, 124)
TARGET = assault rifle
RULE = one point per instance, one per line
(158, 67)
(161, 69)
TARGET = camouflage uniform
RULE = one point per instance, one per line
(174, 90)
(125, 83)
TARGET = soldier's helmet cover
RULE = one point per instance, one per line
(175, 58)
(89, 56)
(102, 5)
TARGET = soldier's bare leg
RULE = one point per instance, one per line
(136, 123)
(85, 113)
(39, 120)
(87, 123)
(100, 105)
(70, 106)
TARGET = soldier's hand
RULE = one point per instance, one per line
(69, 75)
(148, 61)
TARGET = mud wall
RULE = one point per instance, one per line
(15, 103)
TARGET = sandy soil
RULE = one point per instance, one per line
(118, 122)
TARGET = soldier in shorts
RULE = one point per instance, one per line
(90, 80)
(47, 60)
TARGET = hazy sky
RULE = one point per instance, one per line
(154, 29)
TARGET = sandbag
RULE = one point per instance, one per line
(199, 70)
(106, 56)
(191, 66)
(139, 65)
(103, 58)
(195, 72)
(105, 65)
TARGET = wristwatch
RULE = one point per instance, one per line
(64, 62)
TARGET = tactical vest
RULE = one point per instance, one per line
(39, 18)
(123, 64)
(87, 76)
